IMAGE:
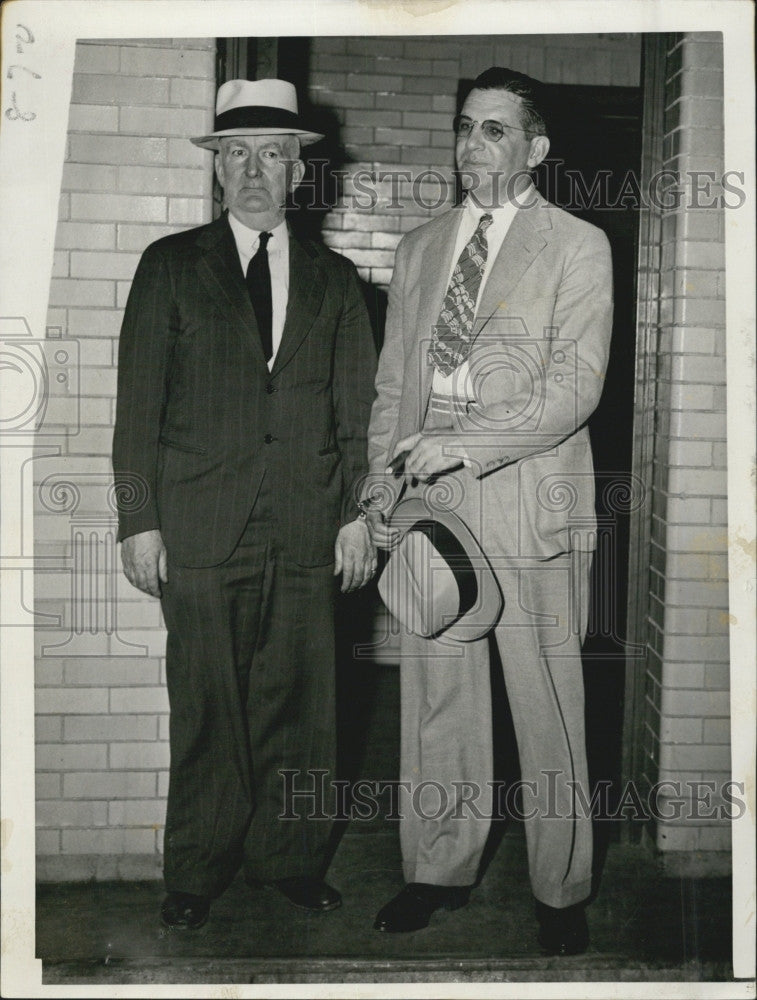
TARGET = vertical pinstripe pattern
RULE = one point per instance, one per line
(200, 418)
(248, 475)
(251, 686)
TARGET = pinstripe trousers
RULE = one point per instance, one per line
(250, 673)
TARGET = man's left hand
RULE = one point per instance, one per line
(429, 455)
(354, 556)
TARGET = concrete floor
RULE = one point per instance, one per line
(643, 926)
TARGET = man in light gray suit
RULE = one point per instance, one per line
(497, 340)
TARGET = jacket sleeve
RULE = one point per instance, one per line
(527, 416)
(354, 370)
(390, 374)
(147, 335)
(382, 431)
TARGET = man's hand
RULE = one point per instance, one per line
(144, 560)
(382, 536)
(429, 454)
(354, 555)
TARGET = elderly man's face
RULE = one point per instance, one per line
(495, 172)
(256, 172)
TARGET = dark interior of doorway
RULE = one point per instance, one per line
(595, 135)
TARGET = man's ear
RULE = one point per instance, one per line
(218, 165)
(539, 149)
(298, 172)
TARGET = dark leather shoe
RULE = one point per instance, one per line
(308, 893)
(562, 932)
(184, 911)
(412, 908)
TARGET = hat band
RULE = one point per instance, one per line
(258, 116)
(446, 543)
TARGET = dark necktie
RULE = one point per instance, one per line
(451, 339)
(259, 286)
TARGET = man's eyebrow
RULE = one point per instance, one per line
(238, 144)
(495, 120)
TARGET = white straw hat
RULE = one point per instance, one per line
(256, 107)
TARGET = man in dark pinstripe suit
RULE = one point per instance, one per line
(246, 368)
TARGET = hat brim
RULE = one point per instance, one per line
(213, 141)
(483, 616)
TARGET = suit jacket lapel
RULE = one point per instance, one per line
(437, 264)
(307, 285)
(525, 239)
(221, 274)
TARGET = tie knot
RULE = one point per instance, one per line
(263, 240)
(484, 222)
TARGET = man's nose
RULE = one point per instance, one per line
(475, 138)
(252, 168)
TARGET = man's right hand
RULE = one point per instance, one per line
(144, 561)
(382, 536)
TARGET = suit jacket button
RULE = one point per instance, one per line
(270, 388)
(269, 438)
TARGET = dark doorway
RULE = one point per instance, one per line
(592, 171)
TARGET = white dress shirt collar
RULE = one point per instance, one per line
(502, 215)
(247, 239)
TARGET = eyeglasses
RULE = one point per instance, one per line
(493, 131)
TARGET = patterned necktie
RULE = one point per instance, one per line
(258, 279)
(451, 340)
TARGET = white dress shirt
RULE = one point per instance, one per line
(457, 383)
(247, 241)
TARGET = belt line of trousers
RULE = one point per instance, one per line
(250, 674)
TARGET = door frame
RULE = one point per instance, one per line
(653, 66)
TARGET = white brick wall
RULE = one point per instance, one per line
(130, 177)
(395, 98)
(688, 703)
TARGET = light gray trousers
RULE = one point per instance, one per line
(446, 748)
(446, 726)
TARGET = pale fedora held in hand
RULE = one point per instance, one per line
(256, 107)
(437, 580)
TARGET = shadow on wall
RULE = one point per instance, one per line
(321, 190)
(326, 161)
